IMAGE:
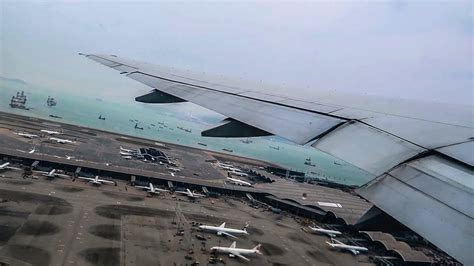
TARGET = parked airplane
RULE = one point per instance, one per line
(27, 135)
(152, 189)
(50, 132)
(239, 182)
(237, 252)
(127, 157)
(126, 150)
(123, 153)
(51, 174)
(174, 169)
(190, 194)
(339, 245)
(62, 141)
(330, 233)
(96, 180)
(224, 164)
(238, 173)
(230, 168)
(222, 230)
(6, 166)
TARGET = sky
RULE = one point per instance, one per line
(406, 49)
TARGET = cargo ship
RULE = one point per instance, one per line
(19, 101)
(51, 102)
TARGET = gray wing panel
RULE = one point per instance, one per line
(366, 147)
(463, 152)
(293, 124)
(433, 205)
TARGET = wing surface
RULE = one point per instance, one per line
(388, 132)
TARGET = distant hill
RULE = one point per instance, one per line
(19, 81)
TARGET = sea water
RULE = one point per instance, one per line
(84, 110)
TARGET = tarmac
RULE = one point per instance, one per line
(67, 222)
(99, 150)
(60, 222)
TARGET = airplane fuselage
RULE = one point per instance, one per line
(238, 182)
(331, 233)
(50, 132)
(241, 251)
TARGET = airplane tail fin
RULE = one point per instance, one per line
(245, 227)
(257, 249)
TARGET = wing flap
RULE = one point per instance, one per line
(366, 147)
(227, 234)
(240, 256)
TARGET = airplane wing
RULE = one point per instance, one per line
(410, 150)
(388, 132)
(240, 256)
(227, 234)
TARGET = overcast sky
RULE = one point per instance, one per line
(405, 49)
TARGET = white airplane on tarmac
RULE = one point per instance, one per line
(6, 166)
(51, 174)
(224, 164)
(123, 153)
(239, 182)
(126, 150)
(237, 252)
(222, 230)
(330, 233)
(190, 194)
(96, 180)
(174, 169)
(27, 135)
(229, 168)
(238, 173)
(152, 189)
(62, 141)
(51, 132)
(339, 245)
